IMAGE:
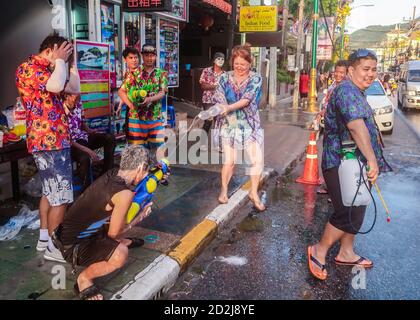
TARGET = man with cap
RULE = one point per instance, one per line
(209, 80)
(145, 120)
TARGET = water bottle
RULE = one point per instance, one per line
(204, 115)
(19, 115)
(215, 110)
(351, 182)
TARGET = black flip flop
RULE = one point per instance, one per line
(87, 293)
(135, 243)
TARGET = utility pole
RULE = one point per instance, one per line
(272, 83)
(232, 26)
(312, 92)
(284, 27)
(298, 56)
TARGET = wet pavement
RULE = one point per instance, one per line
(25, 274)
(263, 256)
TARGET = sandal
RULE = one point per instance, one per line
(355, 263)
(87, 293)
(311, 259)
(135, 243)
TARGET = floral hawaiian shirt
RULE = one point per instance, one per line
(46, 122)
(242, 126)
(210, 77)
(74, 118)
(153, 83)
(349, 103)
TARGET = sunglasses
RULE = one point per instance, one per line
(362, 53)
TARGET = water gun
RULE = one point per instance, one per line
(137, 95)
(146, 188)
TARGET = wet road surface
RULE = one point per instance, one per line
(263, 256)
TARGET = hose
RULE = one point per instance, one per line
(354, 199)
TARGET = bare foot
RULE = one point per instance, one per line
(223, 199)
(258, 205)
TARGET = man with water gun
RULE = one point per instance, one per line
(92, 234)
(142, 90)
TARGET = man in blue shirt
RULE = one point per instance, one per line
(348, 117)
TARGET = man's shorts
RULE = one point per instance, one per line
(55, 171)
(151, 133)
(92, 251)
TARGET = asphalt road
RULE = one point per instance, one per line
(263, 256)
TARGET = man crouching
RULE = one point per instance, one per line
(84, 237)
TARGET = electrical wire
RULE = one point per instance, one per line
(326, 23)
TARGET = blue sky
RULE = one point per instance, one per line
(384, 12)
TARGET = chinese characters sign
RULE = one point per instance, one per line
(146, 5)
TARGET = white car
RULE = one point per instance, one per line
(382, 106)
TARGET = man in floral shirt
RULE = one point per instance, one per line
(145, 121)
(40, 80)
(348, 118)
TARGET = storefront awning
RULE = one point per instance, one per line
(220, 4)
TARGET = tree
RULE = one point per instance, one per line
(330, 7)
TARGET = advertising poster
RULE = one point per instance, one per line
(179, 10)
(169, 50)
(108, 36)
(258, 19)
(93, 64)
(325, 48)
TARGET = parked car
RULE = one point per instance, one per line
(409, 86)
(382, 107)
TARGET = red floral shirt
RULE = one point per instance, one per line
(210, 77)
(46, 122)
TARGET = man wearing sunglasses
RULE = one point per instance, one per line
(348, 117)
(92, 233)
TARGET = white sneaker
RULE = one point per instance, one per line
(54, 255)
(42, 245)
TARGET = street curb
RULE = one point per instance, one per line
(163, 272)
(408, 123)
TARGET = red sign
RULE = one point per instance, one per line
(146, 5)
(220, 4)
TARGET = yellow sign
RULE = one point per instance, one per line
(258, 19)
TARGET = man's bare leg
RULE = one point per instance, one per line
(99, 269)
(44, 207)
(55, 217)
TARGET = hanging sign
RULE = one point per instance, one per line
(258, 19)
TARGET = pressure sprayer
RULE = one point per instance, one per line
(146, 188)
(355, 190)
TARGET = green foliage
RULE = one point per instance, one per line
(330, 7)
(283, 76)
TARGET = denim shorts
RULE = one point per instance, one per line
(55, 171)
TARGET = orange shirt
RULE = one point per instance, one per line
(46, 121)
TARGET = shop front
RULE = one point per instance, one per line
(209, 30)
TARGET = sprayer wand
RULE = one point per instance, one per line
(388, 216)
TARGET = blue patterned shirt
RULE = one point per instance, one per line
(350, 103)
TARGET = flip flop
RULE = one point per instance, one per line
(317, 274)
(322, 191)
(87, 293)
(355, 263)
(135, 243)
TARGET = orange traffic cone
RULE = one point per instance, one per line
(310, 173)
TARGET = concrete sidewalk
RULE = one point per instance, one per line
(185, 218)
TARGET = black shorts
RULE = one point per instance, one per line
(303, 94)
(92, 251)
(341, 218)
